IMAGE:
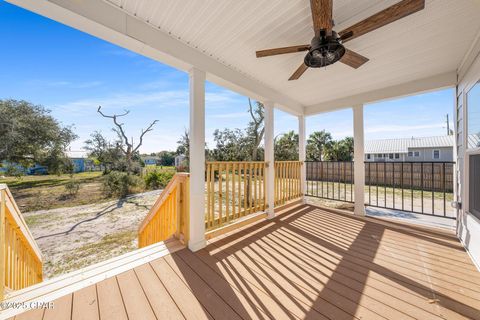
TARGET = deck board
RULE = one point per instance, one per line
(85, 304)
(307, 263)
(110, 302)
(134, 298)
(162, 303)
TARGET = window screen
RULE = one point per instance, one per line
(474, 185)
(473, 120)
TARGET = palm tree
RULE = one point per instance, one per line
(316, 144)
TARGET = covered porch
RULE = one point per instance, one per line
(306, 263)
(237, 239)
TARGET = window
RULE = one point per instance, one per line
(473, 118)
(397, 156)
(436, 154)
(474, 185)
(417, 154)
(410, 153)
(368, 156)
(379, 155)
(390, 156)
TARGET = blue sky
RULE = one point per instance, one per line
(71, 73)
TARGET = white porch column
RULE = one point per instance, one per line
(359, 158)
(270, 158)
(197, 159)
(302, 155)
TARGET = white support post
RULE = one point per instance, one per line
(359, 158)
(302, 155)
(270, 158)
(197, 160)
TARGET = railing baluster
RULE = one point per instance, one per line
(433, 188)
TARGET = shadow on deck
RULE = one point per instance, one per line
(307, 263)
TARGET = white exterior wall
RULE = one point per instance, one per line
(468, 226)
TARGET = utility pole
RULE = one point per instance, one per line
(448, 126)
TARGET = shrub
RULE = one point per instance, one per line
(14, 171)
(72, 187)
(158, 179)
(120, 183)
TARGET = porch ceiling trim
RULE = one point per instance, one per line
(110, 23)
(437, 82)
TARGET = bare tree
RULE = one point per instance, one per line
(127, 147)
(256, 128)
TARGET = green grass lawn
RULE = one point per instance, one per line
(48, 180)
(48, 191)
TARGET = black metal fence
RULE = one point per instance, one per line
(419, 187)
(331, 180)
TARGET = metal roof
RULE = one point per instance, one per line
(402, 145)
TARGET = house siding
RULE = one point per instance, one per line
(468, 226)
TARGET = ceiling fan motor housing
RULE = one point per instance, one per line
(325, 50)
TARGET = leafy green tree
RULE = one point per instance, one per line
(340, 150)
(231, 145)
(167, 158)
(316, 144)
(29, 135)
(104, 152)
(286, 147)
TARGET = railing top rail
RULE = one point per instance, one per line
(448, 162)
(18, 219)
(177, 178)
(285, 161)
(235, 162)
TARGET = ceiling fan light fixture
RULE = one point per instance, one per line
(325, 50)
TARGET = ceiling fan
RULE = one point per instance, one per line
(327, 47)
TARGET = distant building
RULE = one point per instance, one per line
(80, 161)
(151, 160)
(428, 149)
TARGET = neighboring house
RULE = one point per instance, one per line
(179, 160)
(80, 161)
(427, 149)
(151, 160)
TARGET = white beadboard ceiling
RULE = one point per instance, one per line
(427, 43)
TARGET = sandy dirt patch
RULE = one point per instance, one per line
(75, 237)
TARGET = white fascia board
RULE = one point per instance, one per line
(110, 23)
(437, 82)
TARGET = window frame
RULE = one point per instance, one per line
(466, 201)
(465, 198)
(439, 154)
(466, 109)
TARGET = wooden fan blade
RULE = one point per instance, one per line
(353, 59)
(298, 73)
(322, 15)
(382, 18)
(273, 52)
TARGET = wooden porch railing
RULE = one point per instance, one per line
(20, 258)
(233, 190)
(287, 181)
(169, 215)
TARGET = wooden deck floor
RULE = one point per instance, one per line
(305, 264)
